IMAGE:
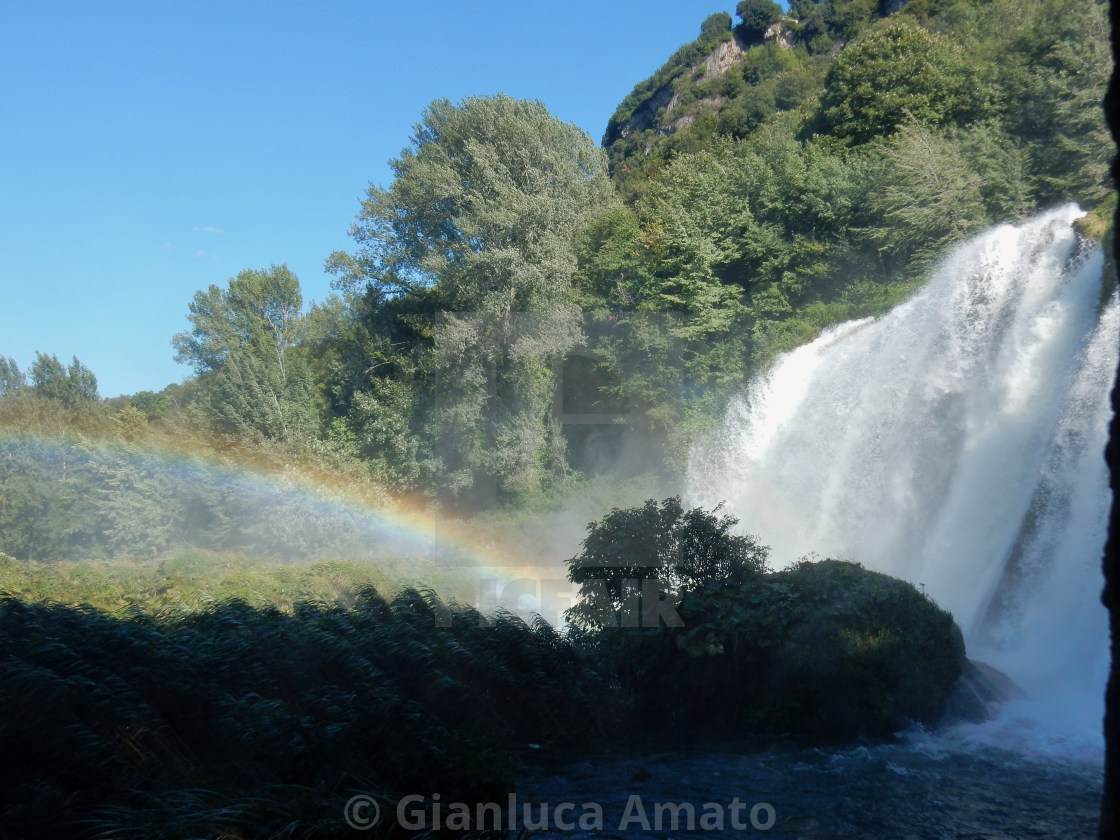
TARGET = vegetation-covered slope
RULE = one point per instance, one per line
(1034, 69)
(244, 722)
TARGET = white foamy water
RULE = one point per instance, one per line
(955, 442)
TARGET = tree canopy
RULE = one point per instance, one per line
(245, 341)
(483, 203)
(898, 72)
(483, 210)
(753, 191)
(757, 16)
(681, 550)
(72, 384)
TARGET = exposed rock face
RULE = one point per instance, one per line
(979, 692)
(644, 114)
(726, 54)
(781, 32)
(716, 63)
(720, 59)
(667, 98)
(681, 123)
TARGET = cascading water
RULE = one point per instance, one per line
(955, 442)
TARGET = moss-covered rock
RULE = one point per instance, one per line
(825, 648)
(1097, 222)
(863, 653)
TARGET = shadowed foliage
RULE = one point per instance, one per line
(825, 648)
(238, 721)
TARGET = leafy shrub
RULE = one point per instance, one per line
(898, 72)
(846, 650)
(681, 550)
(756, 16)
(824, 649)
(245, 722)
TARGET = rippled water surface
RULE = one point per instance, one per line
(959, 784)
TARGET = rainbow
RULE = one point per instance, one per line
(490, 572)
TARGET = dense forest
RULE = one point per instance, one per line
(524, 309)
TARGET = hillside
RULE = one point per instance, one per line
(732, 79)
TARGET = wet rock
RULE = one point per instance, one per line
(979, 693)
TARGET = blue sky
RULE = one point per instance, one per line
(149, 149)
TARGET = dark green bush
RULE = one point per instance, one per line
(824, 648)
(858, 652)
(245, 722)
(756, 16)
(681, 551)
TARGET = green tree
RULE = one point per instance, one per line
(1053, 61)
(259, 309)
(372, 357)
(701, 221)
(11, 377)
(616, 269)
(683, 551)
(484, 206)
(822, 23)
(929, 196)
(715, 26)
(898, 72)
(255, 397)
(74, 385)
(139, 502)
(484, 203)
(680, 352)
(131, 423)
(45, 487)
(756, 17)
(154, 405)
(939, 187)
(244, 344)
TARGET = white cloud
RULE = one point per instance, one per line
(207, 229)
(203, 254)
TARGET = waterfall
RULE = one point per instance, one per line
(955, 442)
